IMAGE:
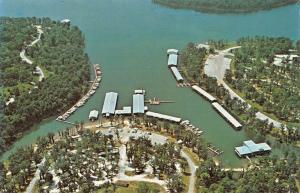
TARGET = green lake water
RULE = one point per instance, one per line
(129, 38)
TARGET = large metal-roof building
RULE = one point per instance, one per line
(176, 74)
(138, 104)
(172, 60)
(226, 115)
(110, 103)
(251, 148)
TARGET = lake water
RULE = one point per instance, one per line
(129, 39)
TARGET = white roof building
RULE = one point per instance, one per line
(172, 60)
(110, 103)
(124, 111)
(162, 116)
(204, 93)
(93, 115)
(226, 115)
(176, 74)
(138, 103)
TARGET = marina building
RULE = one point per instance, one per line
(138, 106)
(93, 115)
(124, 111)
(250, 148)
(205, 94)
(226, 115)
(172, 57)
(162, 116)
(110, 103)
(176, 74)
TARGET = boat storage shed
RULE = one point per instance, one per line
(204, 93)
(138, 104)
(110, 103)
(172, 60)
(162, 116)
(226, 115)
(176, 74)
(93, 115)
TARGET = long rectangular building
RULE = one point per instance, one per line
(124, 111)
(226, 115)
(162, 116)
(176, 74)
(110, 103)
(204, 93)
(138, 104)
(172, 60)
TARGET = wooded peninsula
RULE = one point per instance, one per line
(59, 54)
(224, 6)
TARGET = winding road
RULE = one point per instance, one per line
(27, 60)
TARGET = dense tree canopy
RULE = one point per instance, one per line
(223, 6)
(60, 54)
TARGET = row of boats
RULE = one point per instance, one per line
(191, 127)
(83, 100)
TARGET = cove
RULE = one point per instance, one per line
(129, 38)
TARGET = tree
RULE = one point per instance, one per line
(174, 183)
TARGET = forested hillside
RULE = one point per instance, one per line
(223, 6)
(60, 53)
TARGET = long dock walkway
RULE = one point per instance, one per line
(91, 91)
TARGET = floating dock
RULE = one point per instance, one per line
(156, 101)
(227, 115)
(215, 150)
(82, 101)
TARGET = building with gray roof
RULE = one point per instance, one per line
(176, 74)
(172, 60)
(93, 115)
(251, 148)
(110, 103)
(138, 104)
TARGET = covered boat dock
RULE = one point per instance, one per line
(226, 115)
(204, 93)
(110, 103)
(162, 116)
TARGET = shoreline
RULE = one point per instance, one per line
(212, 10)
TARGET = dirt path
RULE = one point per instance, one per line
(193, 169)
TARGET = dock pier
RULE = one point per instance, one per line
(215, 150)
(92, 90)
(156, 101)
(65, 121)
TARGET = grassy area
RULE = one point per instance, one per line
(134, 187)
(186, 180)
(192, 155)
(298, 185)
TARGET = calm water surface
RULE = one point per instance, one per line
(130, 37)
